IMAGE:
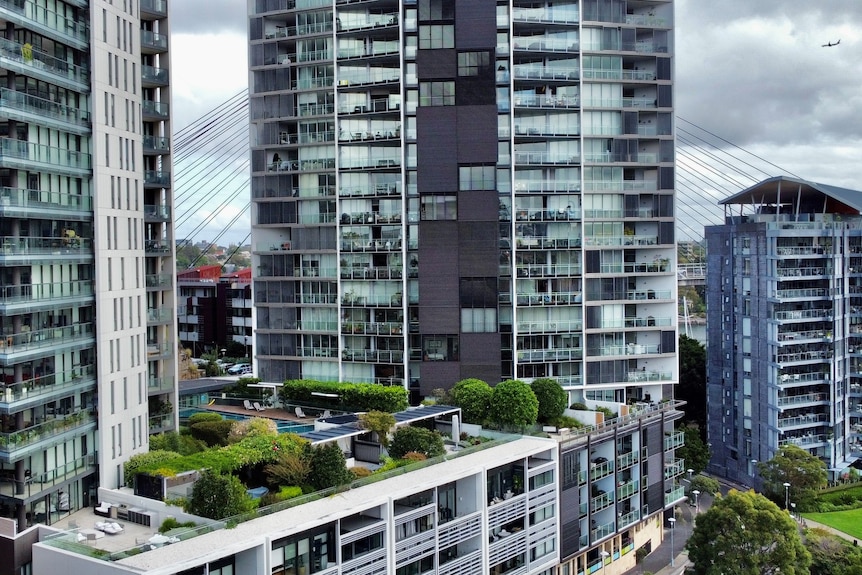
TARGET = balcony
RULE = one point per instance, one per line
(45, 21)
(550, 270)
(348, 78)
(157, 213)
(551, 15)
(527, 328)
(628, 349)
(552, 158)
(544, 44)
(674, 495)
(805, 293)
(159, 350)
(41, 483)
(807, 441)
(153, 43)
(796, 272)
(13, 248)
(548, 298)
(29, 156)
(157, 179)
(674, 440)
(369, 162)
(802, 420)
(371, 273)
(152, 76)
(157, 8)
(161, 423)
(674, 468)
(547, 355)
(155, 110)
(319, 351)
(29, 108)
(602, 501)
(533, 72)
(25, 60)
(546, 243)
(51, 294)
(156, 145)
(543, 186)
(157, 247)
(57, 384)
(602, 531)
(599, 470)
(13, 200)
(357, 22)
(373, 355)
(628, 519)
(159, 315)
(160, 281)
(638, 295)
(159, 385)
(17, 442)
(646, 376)
(627, 489)
(549, 101)
(566, 214)
(634, 322)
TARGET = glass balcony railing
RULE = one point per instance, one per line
(560, 15)
(42, 338)
(525, 328)
(644, 376)
(43, 199)
(157, 212)
(33, 293)
(157, 178)
(11, 442)
(154, 41)
(32, 153)
(674, 495)
(161, 422)
(25, 55)
(529, 158)
(157, 247)
(546, 355)
(674, 440)
(630, 322)
(160, 384)
(159, 315)
(533, 72)
(366, 21)
(157, 144)
(373, 355)
(159, 280)
(153, 75)
(43, 107)
(48, 385)
(628, 349)
(38, 483)
(156, 350)
(29, 246)
(158, 109)
(48, 18)
(629, 518)
(549, 298)
(159, 7)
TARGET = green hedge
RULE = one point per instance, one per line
(351, 396)
(228, 459)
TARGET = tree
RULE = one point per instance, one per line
(473, 396)
(695, 451)
(380, 422)
(514, 403)
(704, 484)
(211, 432)
(832, 555)
(552, 398)
(219, 496)
(692, 380)
(327, 467)
(746, 534)
(416, 439)
(805, 473)
(290, 469)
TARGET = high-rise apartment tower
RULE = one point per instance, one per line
(86, 248)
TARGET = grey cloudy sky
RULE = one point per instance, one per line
(751, 71)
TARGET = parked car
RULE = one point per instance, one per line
(238, 368)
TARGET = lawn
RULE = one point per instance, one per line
(849, 522)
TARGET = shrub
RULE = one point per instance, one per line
(567, 422)
(204, 416)
(138, 463)
(173, 441)
(171, 523)
(251, 427)
(413, 456)
(513, 403)
(578, 406)
(328, 467)
(351, 396)
(218, 496)
(418, 439)
(289, 469)
(212, 433)
(473, 396)
(552, 398)
(360, 472)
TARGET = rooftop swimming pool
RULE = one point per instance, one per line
(283, 426)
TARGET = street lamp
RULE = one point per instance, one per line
(672, 521)
(696, 493)
(690, 472)
(786, 496)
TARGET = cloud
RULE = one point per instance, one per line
(209, 17)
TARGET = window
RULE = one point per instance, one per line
(436, 36)
(470, 63)
(437, 94)
(476, 178)
(436, 10)
(440, 348)
(438, 208)
(479, 320)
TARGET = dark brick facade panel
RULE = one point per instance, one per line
(436, 374)
(477, 134)
(437, 162)
(438, 279)
(436, 64)
(477, 24)
(479, 255)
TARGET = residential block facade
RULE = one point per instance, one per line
(461, 189)
(87, 352)
(783, 301)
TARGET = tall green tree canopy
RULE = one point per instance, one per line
(805, 473)
(473, 396)
(692, 380)
(514, 403)
(695, 451)
(553, 400)
(832, 555)
(747, 534)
